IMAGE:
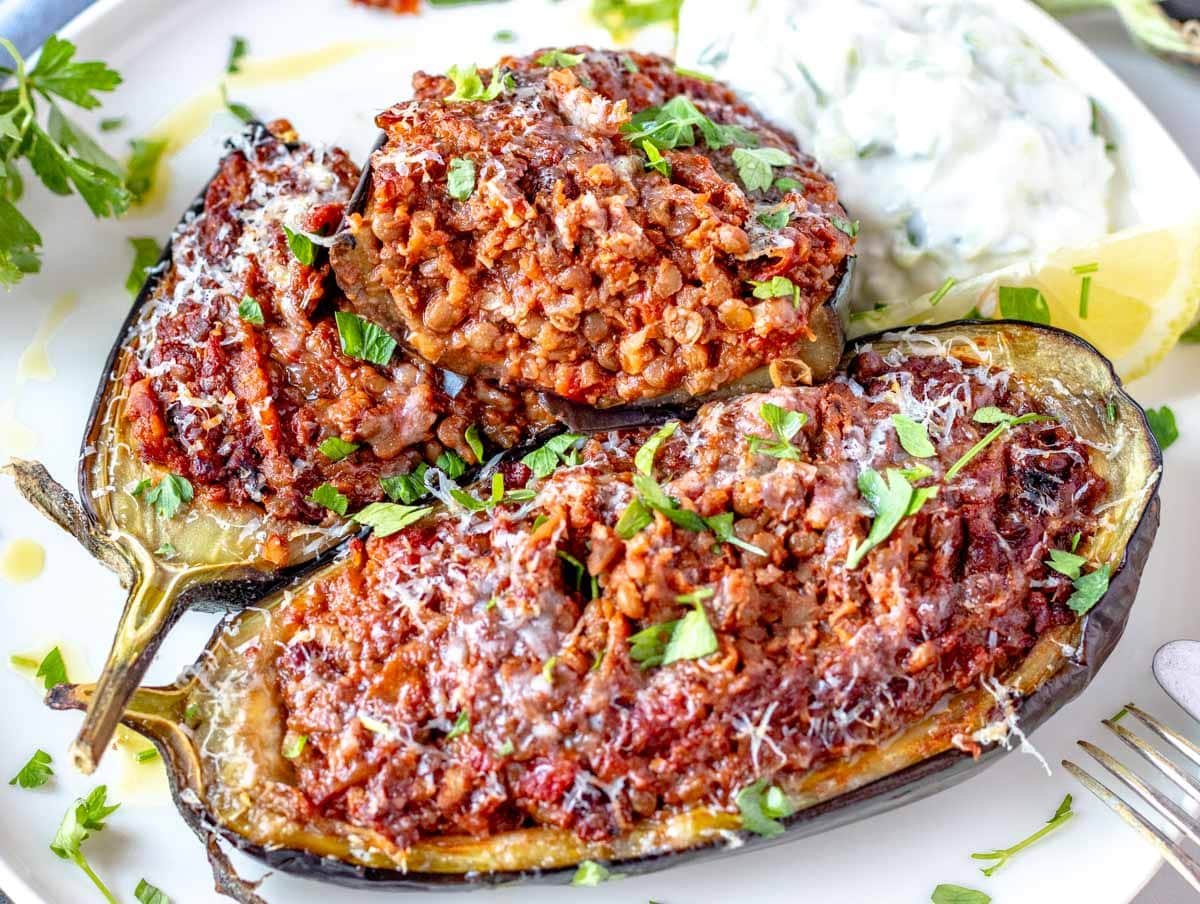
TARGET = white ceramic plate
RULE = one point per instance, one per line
(171, 53)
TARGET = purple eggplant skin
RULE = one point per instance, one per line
(1094, 640)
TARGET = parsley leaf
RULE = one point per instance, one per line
(850, 227)
(85, 816)
(1003, 421)
(1162, 425)
(327, 495)
(648, 646)
(777, 287)
(241, 111)
(462, 725)
(142, 168)
(407, 488)
(238, 48)
(784, 426)
(643, 460)
(1024, 304)
(468, 85)
(475, 441)
(1066, 562)
(167, 496)
(471, 504)
(335, 448)
(388, 517)
(145, 255)
(34, 773)
(451, 463)
(762, 807)
(1001, 856)
(146, 893)
(1089, 588)
(460, 178)
(147, 755)
(547, 457)
(652, 497)
(633, 520)
(655, 160)
(673, 125)
(692, 637)
(300, 245)
(363, 339)
(506, 749)
(293, 745)
(112, 123)
(957, 894)
(776, 218)
(52, 669)
(890, 497)
(250, 311)
(560, 59)
(754, 166)
(913, 437)
(590, 873)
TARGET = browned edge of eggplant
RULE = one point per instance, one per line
(834, 798)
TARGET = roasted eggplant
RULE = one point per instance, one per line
(208, 434)
(1018, 475)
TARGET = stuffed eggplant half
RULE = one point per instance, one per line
(792, 611)
(242, 413)
(599, 226)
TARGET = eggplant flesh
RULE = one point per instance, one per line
(220, 733)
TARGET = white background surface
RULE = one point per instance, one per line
(169, 51)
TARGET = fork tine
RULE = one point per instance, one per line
(1172, 853)
(1163, 804)
(1182, 780)
(1172, 737)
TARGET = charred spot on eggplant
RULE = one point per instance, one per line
(754, 513)
(577, 266)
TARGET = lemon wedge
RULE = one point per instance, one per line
(1130, 294)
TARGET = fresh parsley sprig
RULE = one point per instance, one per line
(784, 426)
(762, 807)
(60, 153)
(1002, 855)
(85, 816)
(35, 773)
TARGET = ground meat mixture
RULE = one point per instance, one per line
(571, 266)
(464, 676)
(396, 6)
(240, 408)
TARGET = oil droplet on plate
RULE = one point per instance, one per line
(16, 440)
(34, 363)
(22, 560)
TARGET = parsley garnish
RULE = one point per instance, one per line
(84, 817)
(890, 498)
(506, 749)
(468, 85)
(388, 517)
(250, 311)
(913, 437)
(784, 426)
(241, 111)
(576, 576)
(293, 745)
(1066, 563)
(755, 166)
(633, 520)
(462, 725)
(943, 291)
(693, 73)
(850, 227)
(34, 773)
(673, 125)
(147, 755)
(167, 496)
(560, 59)
(762, 807)
(505, 36)
(692, 637)
(363, 339)
(622, 17)
(957, 894)
(777, 287)
(335, 448)
(785, 184)
(648, 646)
(474, 441)
(643, 460)
(1162, 425)
(145, 255)
(327, 495)
(148, 894)
(451, 463)
(776, 218)
(1088, 590)
(590, 873)
(460, 178)
(61, 154)
(407, 488)
(238, 48)
(655, 160)
(1001, 857)
(629, 65)
(300, 245)
(651, 496)
(112, 123)
(557, 450)
(167, 551)
(143, 166)
(1003, 421)
(1023, 304)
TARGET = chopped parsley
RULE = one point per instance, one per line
(628, 64)
(250, 311)
(786, 184)
(673, 125)
(506, 749)
(238, 48)
(652, 497)
(1162, 425)
(147, 755)
(850, 227)
(388, 517)
(145, 893)
(1002, 856)
(776, 218)
(293, 745)
(1019, 303)
(692, 637)
(451, 464)
(468, 84)
(1003, 421)
(407, 488)
(471, 504)
(167, 496)
(145, 255)
(784, 426)
(560, 59)
(561, 449)
(913, 437)
(84, 817)
(34, 773)
(112, 123)
(943, 291)
(692, 73)
(142, 167)
(474, 441)
(363, 339)
(633, 520)
(576, 576)
(462, 726)
(1066, 563)
(755, 166)
(890, 497)
(590, 873)
(460, 178)
(643, 460)
(335, 448)
(1089, 588)
(300, 245)
(327, 495)
(504, 36)
(776, 287)
(655, 160)
(239, 110)
(762, 807)
(957, 894)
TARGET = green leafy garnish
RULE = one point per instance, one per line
(167, 496)
(560, 59)
(692, 636)
(784, 426)
(943, 291)
(142, 167)
(462, 725)
(145, 893)
(762, 807)
(1088, 590)
(633, 520)
(786, 184)
(850, 227)
(475, 441)
(363, 339)
(648, 646)
(590, 873)
(561, 449)
(1024, 304)
(644, 459)
(957, 894)
(60, 153)
(652, 497)
(85, 816)
(1162, 425)
(293, 745)
(241, 111)
(693, 73)
(335, 448)
(112, 123)
(913, 437)
(468, 84)
(460, 178)
(407, 488)
(147, 755)
(506, 749)
(1003, 421)
(238, 48)
(451, 463)
(576, 576)
(673, 125)
(34, 773)
(1002, 856)
(167, 551)
(655, 160)
(300, 245)
(755, 166)
(889, 497)
(471, 504)
(505, 36)
(145, 256)
(250, 311)
(776, 218)
(388, 517)
(1066, 562)
(777, 287)
(327, 495)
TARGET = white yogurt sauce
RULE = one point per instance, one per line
(953, 140)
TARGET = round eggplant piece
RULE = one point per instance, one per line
(222, 736)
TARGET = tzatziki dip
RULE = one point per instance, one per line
(953, 140)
